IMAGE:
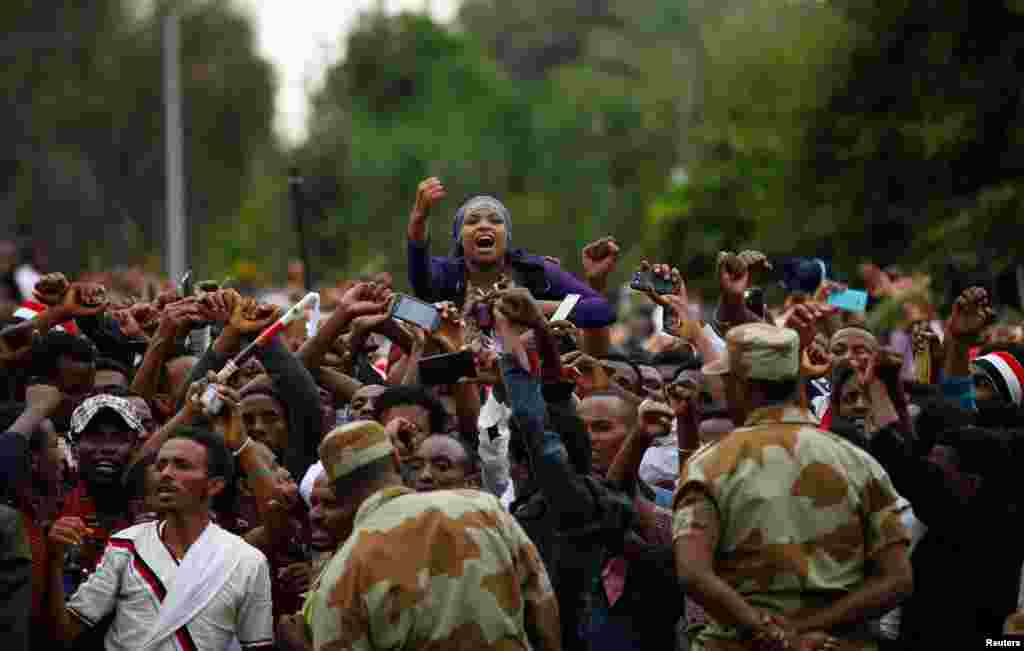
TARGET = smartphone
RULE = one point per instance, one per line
(644, 279)
(565, 307)
(448, 368)
(416, 312)
(851, 300)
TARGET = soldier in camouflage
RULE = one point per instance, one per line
(789, 536)
(437, 570)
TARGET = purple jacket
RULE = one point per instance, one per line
(438, 279)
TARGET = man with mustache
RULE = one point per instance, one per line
(182, 582)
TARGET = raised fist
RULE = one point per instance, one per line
(428, 194)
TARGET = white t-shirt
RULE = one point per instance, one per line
(493, 450)
(133, 577)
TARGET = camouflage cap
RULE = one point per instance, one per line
(759, 351)
(353, 446)
(85, 412)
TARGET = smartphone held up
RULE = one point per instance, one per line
(644, 280)
(414, 311)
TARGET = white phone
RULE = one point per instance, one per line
(565, 308)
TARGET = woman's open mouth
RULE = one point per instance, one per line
(485, 242)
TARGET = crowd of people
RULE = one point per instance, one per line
(501, 460)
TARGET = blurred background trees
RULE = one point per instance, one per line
(82, 122)
(847, 129)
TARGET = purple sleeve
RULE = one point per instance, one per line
(420, 271)
(593, 310)
(429, 276)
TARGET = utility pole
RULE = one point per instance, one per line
(177, 230)
(297, 193)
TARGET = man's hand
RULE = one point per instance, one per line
(363, 299)
(565, 329)
(678, 301)
(591, 375)
(180, 318)
(428, 194)
(44, 398)
(815, 359)
(128, 324)
(83, 299)
(67, 531)
(655, 420)
(734, 271)
(805, 317)
(451, 334)
(405, 436)
(519, 307)
(250, 317)
(755, 261)
(146, 316)
(972, 313)
(364, 326)
(165, 298)
(193, 397)
(50, 289)
(683, 397)
(229, 421)
(600, 258)
(218, 306)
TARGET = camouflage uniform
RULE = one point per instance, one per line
(441, 570)
(799, 511)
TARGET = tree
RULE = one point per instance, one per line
(84, 111)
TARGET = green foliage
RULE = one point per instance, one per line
(83, 120)
(576, 154)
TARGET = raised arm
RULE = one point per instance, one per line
(176, 319)
(429, 192)
(654, 420)
(299, 392)
(566, 492)
(360, 300)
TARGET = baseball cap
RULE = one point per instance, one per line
(87, 411)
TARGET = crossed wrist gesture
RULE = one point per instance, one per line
(734, 271)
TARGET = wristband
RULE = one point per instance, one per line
(248, 440)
